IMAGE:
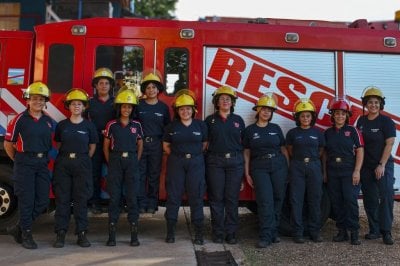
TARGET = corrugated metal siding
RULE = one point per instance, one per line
(383, 71)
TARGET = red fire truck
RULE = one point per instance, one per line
(292, 58)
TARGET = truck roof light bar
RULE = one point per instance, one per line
(78, 30)
(389, 42)
(187, 34)
(292, 37)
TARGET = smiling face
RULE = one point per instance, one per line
(36, 102)
(185, 112)
(76, 107)
(151, 91)
(373, 105)
(126, 109)
(265, 114)
(339, 117)
(305, 119)
(224, 102)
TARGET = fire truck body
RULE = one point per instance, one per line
(318, 62)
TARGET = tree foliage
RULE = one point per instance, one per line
(162, 9)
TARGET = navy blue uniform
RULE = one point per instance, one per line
(224, 171)
(269, 169)
(72, 180)
(153, 117)
(377, 194)
(123, 168)
(32, 138)
(186, 168)
(99, 112)
(340, 146)
(305, 177)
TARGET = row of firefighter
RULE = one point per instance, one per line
(212, 156)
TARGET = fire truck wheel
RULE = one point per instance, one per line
(285, 228)
(8, 201)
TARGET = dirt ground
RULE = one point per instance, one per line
(370, 252)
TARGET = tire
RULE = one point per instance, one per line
(8, 201)
(285, 228)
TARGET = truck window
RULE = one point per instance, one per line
(60, 68)
(176, 69)
(126, 62)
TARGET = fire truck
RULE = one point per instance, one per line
(292, 58)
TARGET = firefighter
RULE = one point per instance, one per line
(266, 168)
(27, 143)
(305, 145)
(343, 158)
(123, 146)
(76, 139)
(100, 111)
(184, 142)
(224, 165)
(377, 176)
(154, 116)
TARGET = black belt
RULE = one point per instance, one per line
(226, 155)
(186, 155)
(341, 159)
(36, 154)
(306, 159)
(266, 156)
(151, 139)
(123, 154)
(73, 155)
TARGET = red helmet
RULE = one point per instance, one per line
(339, 104)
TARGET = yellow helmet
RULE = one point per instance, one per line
(372, 91)
(267, 100)
(37, 88)
(304, 105)
(103, 72)
(75, 94)
(126, 96)
(184, 97)
(225, 90)
(151, 78)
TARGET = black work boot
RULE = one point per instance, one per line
(387, 238)
(134, 235)
(170, 232)
(111, 235)
(27, 240)
(341, 236)
(82, 240)
(354, 238)
(198, 234)
(16, 233)
(60, 239)
(316, 237)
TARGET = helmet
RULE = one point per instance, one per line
(184, 97)
(304, 105)
(37, 88)
(267, 100)
(372, 91)
(126, 96)
(103, 72)
(339, 104)
(151, 78)
(75, 94)
(225, 90)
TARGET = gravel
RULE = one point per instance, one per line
(370, 252)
